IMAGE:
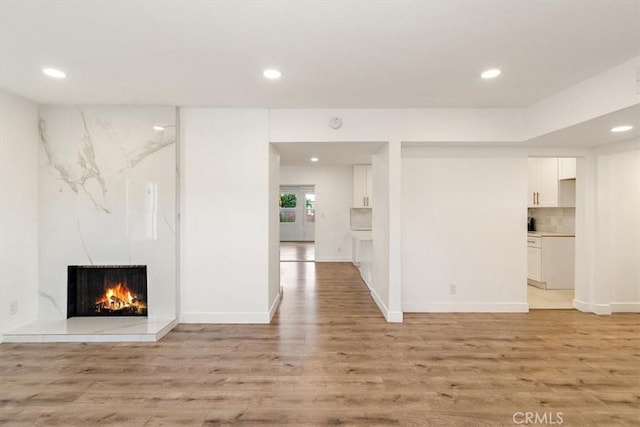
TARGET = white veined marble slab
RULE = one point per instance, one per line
(107, 196)
(92, 329)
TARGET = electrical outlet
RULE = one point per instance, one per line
(13, 308)
(452, 289)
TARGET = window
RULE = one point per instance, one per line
(310, 207)
(288, 203)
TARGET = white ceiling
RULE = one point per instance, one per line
(385, 54)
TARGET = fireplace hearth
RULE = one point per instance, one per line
(106, 290)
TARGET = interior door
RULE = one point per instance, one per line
(297, 214)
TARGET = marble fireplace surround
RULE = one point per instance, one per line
(106, 196)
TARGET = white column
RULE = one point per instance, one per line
(395, 231)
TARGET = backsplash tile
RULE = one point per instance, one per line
(554, 220)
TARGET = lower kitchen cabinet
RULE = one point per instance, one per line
(534, 263)
(551, 261)
(362, 254)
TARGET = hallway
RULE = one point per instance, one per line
(329, 358)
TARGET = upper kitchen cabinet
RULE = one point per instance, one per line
(362, 186)
(567, 168)
(546, 190)
(543, 182)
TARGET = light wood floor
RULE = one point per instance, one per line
(297, 251)
(329, 358)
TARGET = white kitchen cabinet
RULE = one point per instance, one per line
(362, 186)
(366, 262)
(534, 264)
(566, 168)
(546, 190)
(543, 182)
(362, 254)
(551, 261)
(357, 237)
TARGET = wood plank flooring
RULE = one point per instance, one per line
(297, 251)
(329, 358)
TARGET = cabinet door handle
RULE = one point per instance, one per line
(530, 241)
(364, 201)
(537, 198)
(534, 198)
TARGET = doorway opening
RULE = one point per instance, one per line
(297, 223)
(551, 227)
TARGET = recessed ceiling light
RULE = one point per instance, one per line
(272, 74)
(314, 159)
(623, 128)
(158, 128)
(490, 74)
(55, 73)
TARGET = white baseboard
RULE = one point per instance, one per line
(581, 306)
(471, 307)
(275, 305)
(365, 281)
(390, 316)
(395, 317)
(601, 309)
(225, 317)
(625, 307)
(167, 329)
(381, 306)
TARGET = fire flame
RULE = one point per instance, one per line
(119, 298)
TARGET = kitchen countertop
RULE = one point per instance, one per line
(547, 234)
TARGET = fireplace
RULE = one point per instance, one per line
(106, 290)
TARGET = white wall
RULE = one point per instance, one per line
(18, 210)
(380, 230)
(274, 226)
(107, 196)
(608, 230)
(422, 125)
(464, 223)
(334, 188)
(395, 231)
(225, 216)
(585, 257)
(623, 230)
(616, 278)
